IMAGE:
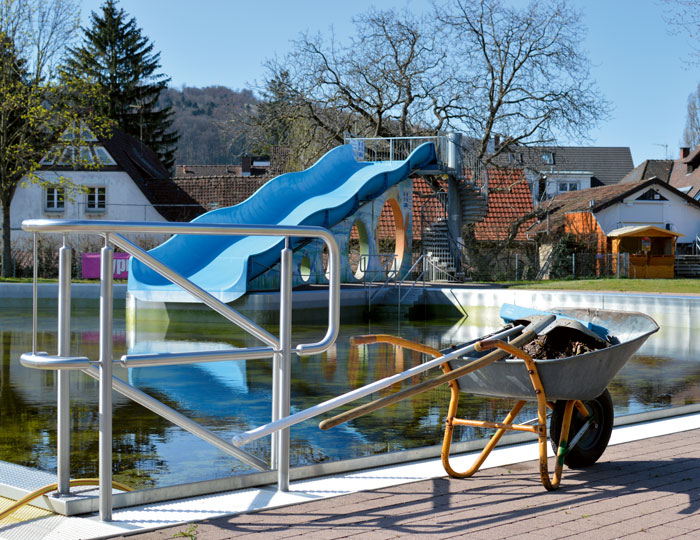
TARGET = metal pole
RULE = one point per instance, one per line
(35, 296)
(63, 398)
(105, 439)
(573, 264)
(516, 267)
(179, 419)
(285, 363)
(274, 440)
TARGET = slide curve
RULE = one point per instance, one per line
(322, 195)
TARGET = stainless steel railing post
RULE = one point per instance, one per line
(285, 377)
(63, 392)
(35, 295)
(105, 407)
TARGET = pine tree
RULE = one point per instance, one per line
(116, 54)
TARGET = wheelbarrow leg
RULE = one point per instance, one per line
(553, 484)
(541, 429)
(495, 438)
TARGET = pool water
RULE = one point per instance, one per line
(230, 397)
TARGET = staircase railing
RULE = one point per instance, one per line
(279, 348)
(454, 246)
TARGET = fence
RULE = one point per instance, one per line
(583, 265)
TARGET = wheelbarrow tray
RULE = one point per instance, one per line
(581, 377)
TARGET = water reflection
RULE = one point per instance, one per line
(230, 397)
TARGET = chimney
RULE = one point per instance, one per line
(684, 152)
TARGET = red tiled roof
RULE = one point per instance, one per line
(686, 173)
(206, 171)
(219, 192)
(509, 200)
(386, 226)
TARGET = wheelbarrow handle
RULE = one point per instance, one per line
(528, 335)
(395, 340)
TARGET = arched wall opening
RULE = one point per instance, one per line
(391, 237)
(358, 249)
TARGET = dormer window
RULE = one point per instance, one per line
(86, 155)
(85, 134)
(103, 156)
(66, 156)
(568, 186)
(548, 158)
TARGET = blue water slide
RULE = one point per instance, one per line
(322, 195)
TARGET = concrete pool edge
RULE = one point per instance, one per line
(85, 500)
(140, 519)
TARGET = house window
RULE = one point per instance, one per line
(96, 199)
(568, 186)
(548, 158)
(67, 156)
(103, 156)
(85, 133)
(86, 156)
(515, 157)
(651, 195)
(50, 157)
(54, 199)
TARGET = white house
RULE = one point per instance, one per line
(551, 170)
(130, 185)
(652, 202)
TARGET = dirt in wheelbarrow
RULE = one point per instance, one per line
(563, 343)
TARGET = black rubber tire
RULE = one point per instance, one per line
(594, 442)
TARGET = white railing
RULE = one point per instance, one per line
(278, 348)
(395, 148)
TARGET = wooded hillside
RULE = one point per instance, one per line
(204, 120)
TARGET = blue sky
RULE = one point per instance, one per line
(638, 64)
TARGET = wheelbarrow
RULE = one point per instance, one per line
(573, 387)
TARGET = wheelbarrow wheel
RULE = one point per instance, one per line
(595, 440)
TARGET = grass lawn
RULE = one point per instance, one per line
(668, 286)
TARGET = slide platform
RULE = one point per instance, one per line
(322, 195)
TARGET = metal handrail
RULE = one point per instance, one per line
(279, 349)
(420, 277)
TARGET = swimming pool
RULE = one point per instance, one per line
(231, 397)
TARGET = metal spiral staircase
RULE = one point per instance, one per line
(441, 248)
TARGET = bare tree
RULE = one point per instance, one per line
(683, 17)
(41, 31)
(691, 133)
(478, 66)
(523, 73)
(385, 81)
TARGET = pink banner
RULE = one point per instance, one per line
(91, 266)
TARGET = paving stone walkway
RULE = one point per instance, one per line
(648, 489)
